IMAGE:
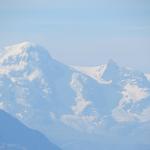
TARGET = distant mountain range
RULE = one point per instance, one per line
(76, 107)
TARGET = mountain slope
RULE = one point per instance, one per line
(14, 135)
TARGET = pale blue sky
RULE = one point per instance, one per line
(81, 32)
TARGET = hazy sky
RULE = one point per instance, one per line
(81, 32)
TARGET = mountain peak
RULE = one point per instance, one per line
(111, 63)
(111, 70)
(22, 50)
(23, 46)
(18, 56)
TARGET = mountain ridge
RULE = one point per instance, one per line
(15, 135)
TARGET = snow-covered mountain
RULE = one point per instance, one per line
(133, 85)
(71, 104)
(16, 136)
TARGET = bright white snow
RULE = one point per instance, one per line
(134, 92)
(80, 102)
(94, 72)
